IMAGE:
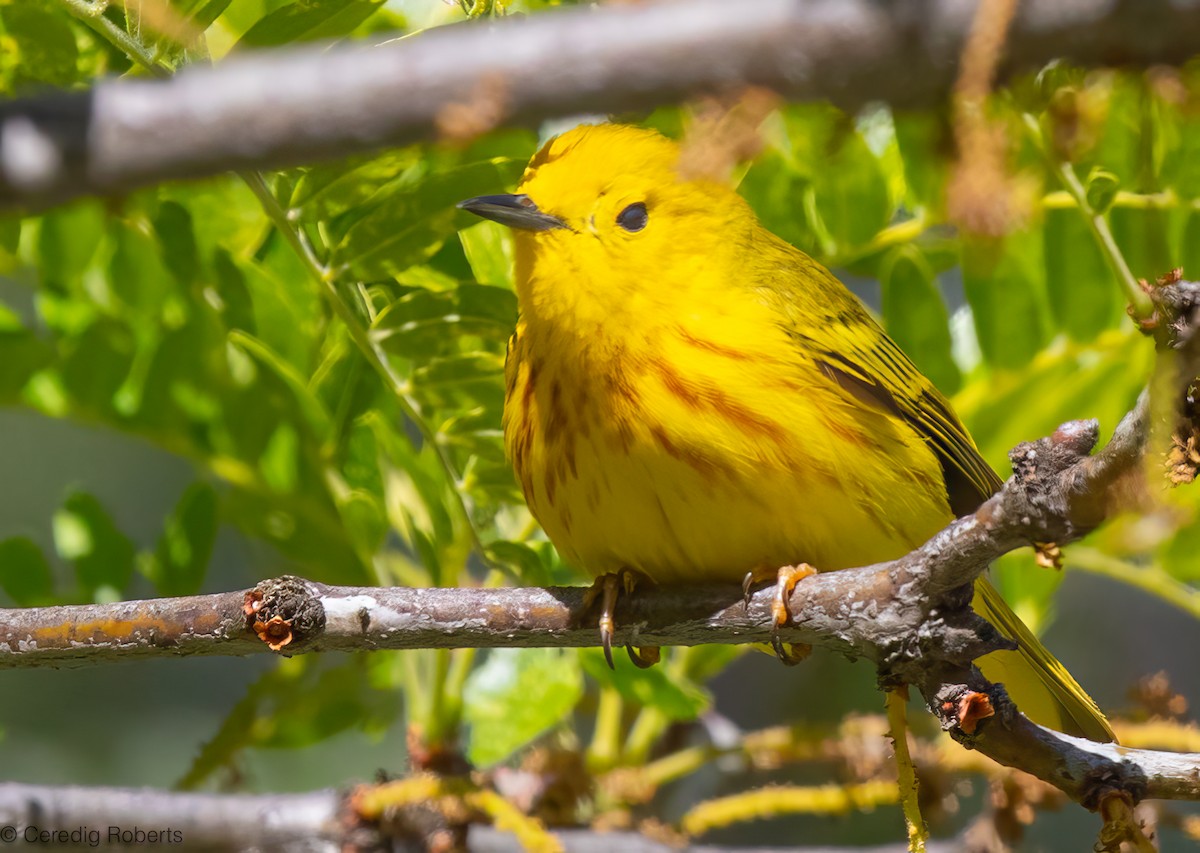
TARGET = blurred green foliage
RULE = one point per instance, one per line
(326, 347)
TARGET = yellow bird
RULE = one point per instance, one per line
(692, 398)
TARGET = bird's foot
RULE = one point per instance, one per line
(785, 581)
(608, 588)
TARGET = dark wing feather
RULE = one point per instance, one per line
(882, 376)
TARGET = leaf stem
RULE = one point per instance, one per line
(92, 15)
(1139, 301)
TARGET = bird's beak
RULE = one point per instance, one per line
(515, 211)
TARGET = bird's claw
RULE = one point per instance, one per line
(608, 588)
(786, 580)
(644, 658)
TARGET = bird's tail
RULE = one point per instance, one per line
(1041, 686)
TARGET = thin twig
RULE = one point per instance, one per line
(1097, 224)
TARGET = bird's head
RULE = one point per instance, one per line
(608, 227)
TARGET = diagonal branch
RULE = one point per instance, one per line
(285, 107)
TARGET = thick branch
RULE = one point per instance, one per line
(297, 105)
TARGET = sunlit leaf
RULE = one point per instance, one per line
(308, 21)
(916, 317)
(67, 241)
(488, 247)
(1102, 186)
(1084, 294)
(1005, 284)
(1143, 237)
(47, 52)
(515, 696)
(410, 226)
(414, 324)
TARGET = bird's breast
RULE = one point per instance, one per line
(699, 460)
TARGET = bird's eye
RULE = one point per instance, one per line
(634, 217)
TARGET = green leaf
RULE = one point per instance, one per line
(280, 461)
(1120, 147)
(313, 411)
(226, 216)
(418, 494)
(173, 224)
(207, 12)
(849, 184)
(515, 696)
(45, 46)
(924, 141)
(305, 530)
(410, 226)
(1102, 186)
(458, 369)
(776, 192)
(86, 536)
(1084, 295)
(1004, 281)
(328, 190)
(21, 355)
(421, 320)
(677, 698)
(309, 20)
(97, 365)
(182, 554)
(67, 241)
(365, 520)
(301, 701)
(286, 312)
(489, 250)
(233, 296)
(10, 234)
(187, 374)
(916, 317)
(1186, 173)
(1143, 237)
(138, 275)
(24, 573)
(1099, 382)
(1177, 555)
(1190, 259)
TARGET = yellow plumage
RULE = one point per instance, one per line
(691, 397)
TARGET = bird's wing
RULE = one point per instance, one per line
(854, 352)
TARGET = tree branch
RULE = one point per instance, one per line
(910, 616)
(314, 823)
(285, 107)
